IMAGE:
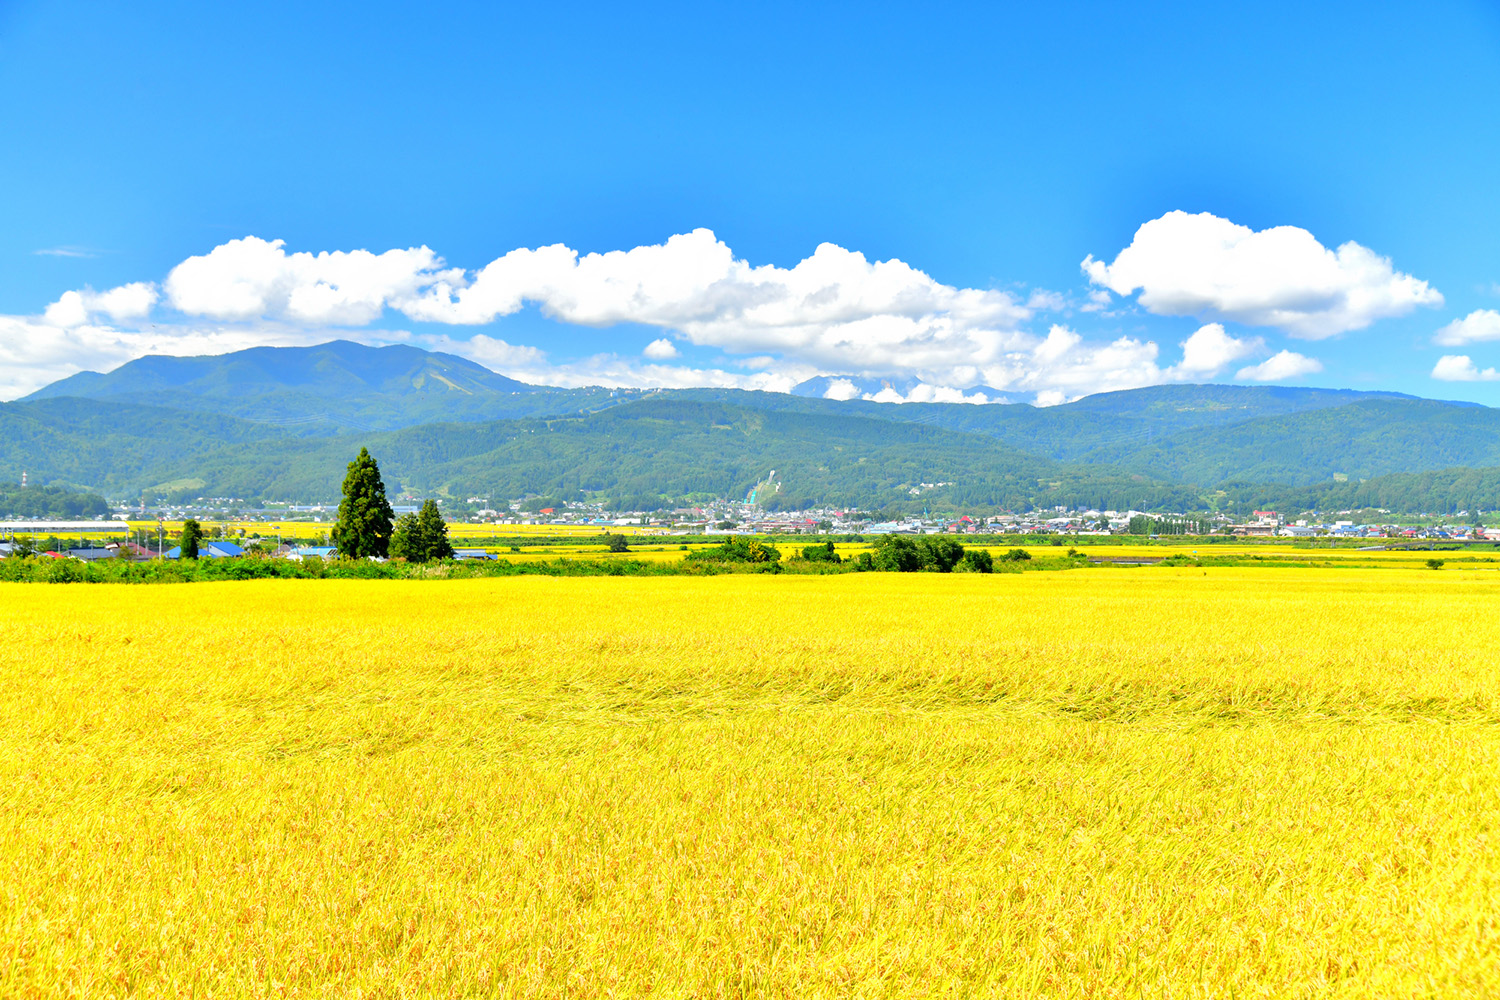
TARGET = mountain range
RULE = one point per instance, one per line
(280, 423)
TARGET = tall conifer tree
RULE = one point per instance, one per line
(434, 532)
(422, 537)
(192, 532)
(364, 524)
(406, 539)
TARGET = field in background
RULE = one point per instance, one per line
(535, 541)
(456, 529)
(529, 543)
(1169, 783)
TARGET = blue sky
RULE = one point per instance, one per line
(154, 153)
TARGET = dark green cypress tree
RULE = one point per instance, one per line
(406, 540)
(364, 524)
(192, 531)
(433, 531)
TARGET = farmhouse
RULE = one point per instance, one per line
(90, 553)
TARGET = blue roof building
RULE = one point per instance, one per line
(210, 550)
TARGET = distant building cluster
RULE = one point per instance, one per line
(288, 527)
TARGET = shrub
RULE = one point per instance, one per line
(975, 561)
(824, 553)
(738, 550)
(896, 554)
(939, 554)
(66, 571)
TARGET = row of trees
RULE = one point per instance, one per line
(1142, 524)
(893, 554)
(367, 526)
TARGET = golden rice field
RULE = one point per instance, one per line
(1099, 783)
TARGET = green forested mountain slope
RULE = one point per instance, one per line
(1117, 422)
(343, 387)
(116, 448)
(667, 448)
(51, 503)
(675, 447)
(657, 447)
(1362, 440)
(333, 388)
(1440, 491)
(277, 423)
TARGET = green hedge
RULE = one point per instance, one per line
(37, 569)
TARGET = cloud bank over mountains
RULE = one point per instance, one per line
(719, 320)
(1205, 266)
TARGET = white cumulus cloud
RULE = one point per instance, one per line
(835, 308)
(127, 302)
(614, 371)
(924, 393)
(661, 349)
(841, 389)
(1210, 350)
(1480, 325)
(1461, 368)
(252, 278)
(489, 351)
(834, 313)
(1206, 266)
(1064, 366)
(67, 311)
(1280, 366)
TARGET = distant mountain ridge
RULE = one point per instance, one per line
(339, 368)
(274, 421)
(332, 388)
(343, 387)
(1118, 423)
